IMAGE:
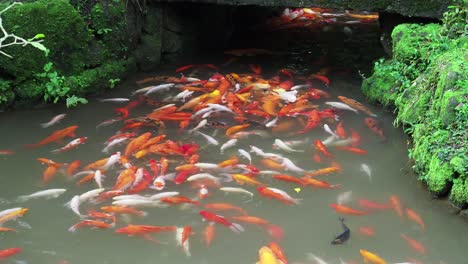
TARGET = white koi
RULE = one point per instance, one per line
(98, 178)
(289, 165)
(245, 154)
(113, 143)
(47, 194)
(113, 159)
(209, 139)
(288, 96)
(236, 190)
(90, 195)
(341, 106)
(56, 119)
(301, 86)
(329, 131)
(200, 125)
(203, 176)
(74, 205)
(207, 166)
(344, 197)
(272, 123)
(114, 100)
(365, 168)
(230, 143)
(159, 196)
(281, 145)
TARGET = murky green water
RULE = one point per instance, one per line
(309, 227)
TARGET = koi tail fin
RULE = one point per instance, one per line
(22, 198)
(72, 228)
(236, 228)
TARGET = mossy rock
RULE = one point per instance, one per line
(412, 41)
(381, 86)
(30, 90)
(439, 176)
(94, 80)
(148, 54)
(7, 96)
(55, 19)
(459, 193)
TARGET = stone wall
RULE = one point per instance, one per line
(419, 8)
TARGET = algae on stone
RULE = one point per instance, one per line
(427, 83)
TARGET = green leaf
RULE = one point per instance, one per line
(38, 46)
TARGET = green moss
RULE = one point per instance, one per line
(31, 91)
(427, 83)
(459, 192)
(6, 94)
(382, 86)
(56, 20)
(439, 176)
(412, 41)
(94, 80)
(107, 22)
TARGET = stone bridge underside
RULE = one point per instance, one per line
(411, 8)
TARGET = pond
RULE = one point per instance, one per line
(368, 173)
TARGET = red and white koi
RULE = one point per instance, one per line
(159, 183)
(113, 143)
(71, 145)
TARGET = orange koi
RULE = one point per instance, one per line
(347, 210)
(257, 69)
(209, 234)
(186, 232)
(321, 147)
(269, 163)
(86, 178)
(313, 120)
(356, 105)
(356, 138)
(250, 220)
(136, 143)
(352, 149)
(229, 162)
(414, 244)
(51, 162)
(370, 257)
(244, 179)
(89, 223)
(57, 136)
(367, 231)
(374, 126)
(412, 215)
(49, 173)
(258, 113)
(179, 200)
(340, 131)
(96, 165)
(5, 229)
(9, 252)
(278, 252)
(318, 183)
(102, 215)
(115, 209)
(12, 214)
(73, 167)
(396, 205)
(132, 230)
(225, 207)
(286, 85)
(6, 152)
(269, 107)
(125, 179)
(288, 178)
(334, 168)
(321, 78)
(234, 129)
(163, 164)
(373, 205)
(279, 195)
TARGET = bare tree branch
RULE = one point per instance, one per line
(9, 39)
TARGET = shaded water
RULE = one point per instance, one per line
(309, 226)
